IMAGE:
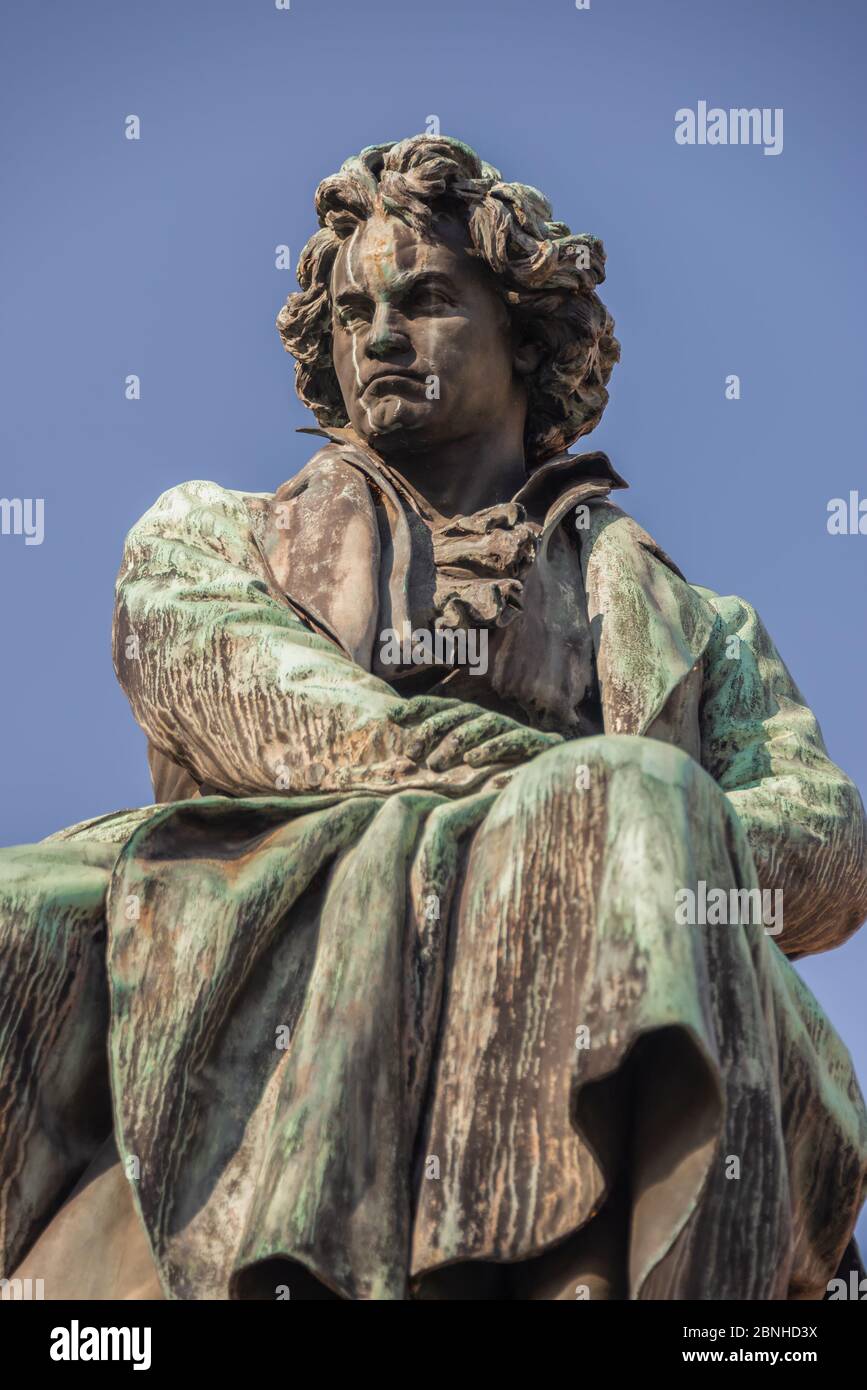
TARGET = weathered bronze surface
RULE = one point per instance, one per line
(397, 998)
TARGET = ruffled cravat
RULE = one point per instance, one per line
(481, 561)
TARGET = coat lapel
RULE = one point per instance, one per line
(322, 542)
(650, 628)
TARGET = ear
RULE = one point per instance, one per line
(526, 358)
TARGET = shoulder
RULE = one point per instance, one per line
(611, 530)
(200, 495)
(195, 518)
(329, 472)
(198, 506)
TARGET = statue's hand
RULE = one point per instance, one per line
(455, 732)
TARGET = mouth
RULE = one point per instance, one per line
(393, 376)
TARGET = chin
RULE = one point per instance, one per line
(404, 425)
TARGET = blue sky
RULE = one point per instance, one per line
(156, 257)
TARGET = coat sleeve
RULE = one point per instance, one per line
(804, 818)
(227, 681)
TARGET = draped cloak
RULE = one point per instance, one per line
(372, 1021)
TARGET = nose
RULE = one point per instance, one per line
(387, 334)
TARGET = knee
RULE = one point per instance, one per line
(577, 764)
(581, 782)
(51, 893)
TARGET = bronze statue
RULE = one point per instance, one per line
(453, 959)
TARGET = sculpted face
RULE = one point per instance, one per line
(423, 348)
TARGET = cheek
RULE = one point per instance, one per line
(457, 345)
(495, 329)
(344, 367)
(482, 353)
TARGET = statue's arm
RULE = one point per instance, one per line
(804, 818)
(227, 681)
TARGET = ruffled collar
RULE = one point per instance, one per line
(481, 560)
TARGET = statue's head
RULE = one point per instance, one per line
(436, 295)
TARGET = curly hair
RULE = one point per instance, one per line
(546, 274)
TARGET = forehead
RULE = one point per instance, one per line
(383, 248)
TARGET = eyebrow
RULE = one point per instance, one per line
(407, 280)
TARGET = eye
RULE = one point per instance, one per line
(352, 316)
(429, 297)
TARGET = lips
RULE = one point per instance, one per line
(393, 374)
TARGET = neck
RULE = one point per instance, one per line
(463, 476)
